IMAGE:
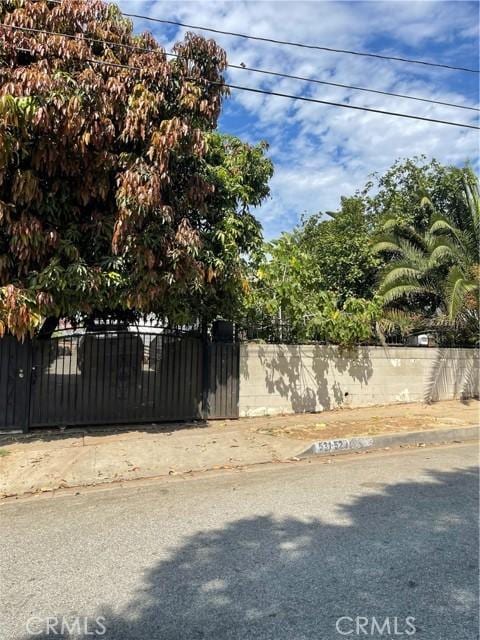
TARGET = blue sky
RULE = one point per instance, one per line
(322, 152)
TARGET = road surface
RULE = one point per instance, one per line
(312, 550)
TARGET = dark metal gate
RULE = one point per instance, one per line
(223, 384)
(15, 366)
(112, 377)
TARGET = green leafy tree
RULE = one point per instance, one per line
(340, 249)
(289, 307)
(347, 323)
(239, 174)
(435, 273)
(116, 194)
(333, 254)
(320, 266)
(339, 280)
(400, 193)
(278, 290)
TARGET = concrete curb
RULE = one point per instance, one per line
(346, 445)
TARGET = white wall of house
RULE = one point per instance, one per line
(276, 379)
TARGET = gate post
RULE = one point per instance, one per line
(221, 372)
(205, 371)
(24, 382)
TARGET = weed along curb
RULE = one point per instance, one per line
(346, 445)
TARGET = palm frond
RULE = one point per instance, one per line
(393, 226)
(456, 289)
(400, 272)
(418, 264)
(472, 197)
(442, 251)
(402, 291)
(439, 222)
(390, 224)
(386, 242)
(414, 254)
(466, 238)
(398, 320)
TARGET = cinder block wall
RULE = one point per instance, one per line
(278, 379)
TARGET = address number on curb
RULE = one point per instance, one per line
(341, 444)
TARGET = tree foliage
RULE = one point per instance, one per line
(347, 323)
(331, 253)
(318, 278)
(435, 273)
(239, 174)
(342, 259)
(400, 255)
(280, 287)
(115, 192)
(401, 192)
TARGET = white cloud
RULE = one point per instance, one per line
(323, 152)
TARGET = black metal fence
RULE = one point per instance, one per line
(272, 330)
(128, 375)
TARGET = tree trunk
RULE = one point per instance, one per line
(48, 327)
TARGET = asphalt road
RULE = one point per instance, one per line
(278, 553)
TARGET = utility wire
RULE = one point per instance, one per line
(345, 106)
(296, 44)
(282, 95)
(354, 87)
(251, 69)
(303, 45)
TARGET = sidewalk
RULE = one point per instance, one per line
(48, 460)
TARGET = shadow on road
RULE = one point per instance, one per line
(408, 549)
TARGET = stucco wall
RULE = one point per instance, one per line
(278, 379)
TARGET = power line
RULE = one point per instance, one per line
(303, 45)
(297, 44)
(346, 106)
(354, 87)
(284, 95)
(251, 69)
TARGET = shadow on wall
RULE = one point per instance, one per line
(406, 549)
(450, 377)
(305, 375)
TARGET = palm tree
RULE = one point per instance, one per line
(436, 272)
(459, 249)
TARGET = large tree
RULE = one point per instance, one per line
(326, 252)
(401, 192)
(318, 281)
(435, 273)
(115, 192)
(342, 258)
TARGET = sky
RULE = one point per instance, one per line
(321, 152)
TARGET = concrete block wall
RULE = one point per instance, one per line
(276, 379)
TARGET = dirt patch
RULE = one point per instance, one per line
(371, 421)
